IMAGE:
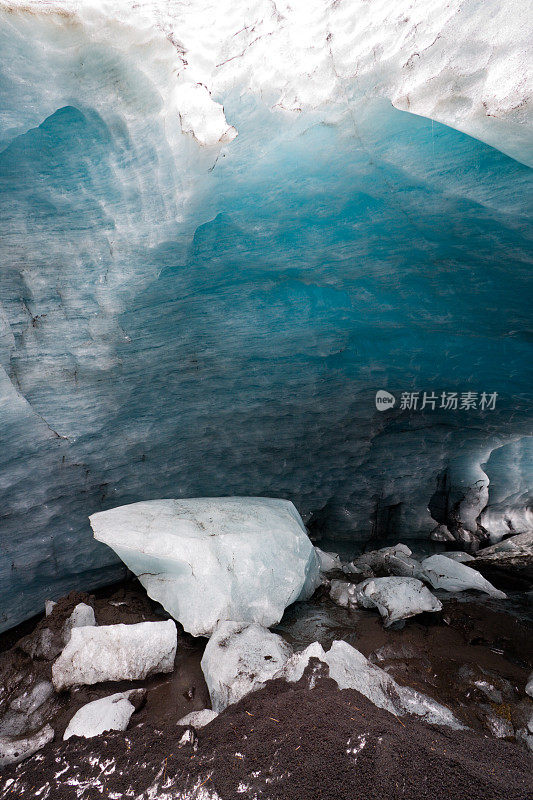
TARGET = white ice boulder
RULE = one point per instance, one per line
(212, 559)
(240, 658)
(396, 598)
(529, 685)
(351, 670)
(198, 718)
(115, 653)
(452, 576)
(328, 561)
(13, 750)
(106, 714)
(344, 593)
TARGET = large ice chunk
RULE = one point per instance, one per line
(452, 576)
(115, 652)
(351, 670)
(240, 658)
(396, 598)
(110, 713)
(213, 559)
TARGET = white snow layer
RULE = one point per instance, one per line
(463, 63)
(106, 714)
(115, 652)
(240, 658)
(212, 559)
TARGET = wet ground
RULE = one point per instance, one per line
(474, 657)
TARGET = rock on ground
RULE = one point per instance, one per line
(115, 652)
(396, 598)
(240, 658)
(512, 556)
(444, 573)
(212, 559)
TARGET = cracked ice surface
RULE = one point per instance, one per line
(207, 560)
(220, 240)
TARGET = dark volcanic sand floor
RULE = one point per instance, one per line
(295, 739)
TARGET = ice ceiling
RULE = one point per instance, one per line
(225, 227)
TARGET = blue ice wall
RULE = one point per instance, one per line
(240, 351)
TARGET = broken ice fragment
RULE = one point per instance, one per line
(106, 714)
(16, 749)
(81, 616)
(116, 652)
(444, 573)
(240, 658)
(198, 718)
(328, 561)
(351, 670)
(459, 555)
(396, 598)
(344, 594)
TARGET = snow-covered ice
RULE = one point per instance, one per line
(212, 559)
(240, 658)
(396, 598)
(115, 652)
(452, 576)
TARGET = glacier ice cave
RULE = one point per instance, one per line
(225, 227)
